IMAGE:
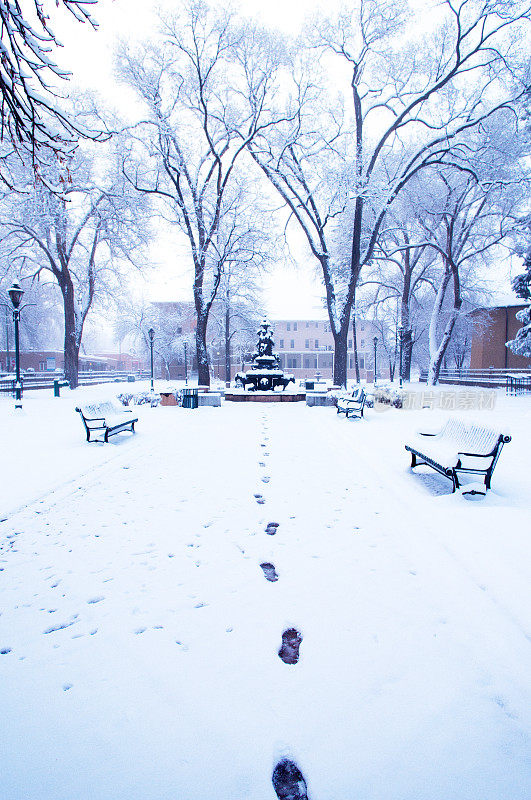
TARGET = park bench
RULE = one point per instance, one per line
(106, 419)
(352, 406)
(458, 448)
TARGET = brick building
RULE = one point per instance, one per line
(493, 327)
(307, 346)
(42, 361)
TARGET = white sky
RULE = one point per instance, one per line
(291, 290)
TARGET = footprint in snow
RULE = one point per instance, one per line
(269, 571)
(291, 641)
(5, 650)
(94, 600)
(67, 686)
(266, 479)
(62, 625)
(288, 781)
(271, 528)
(259, 499)
(138, 631)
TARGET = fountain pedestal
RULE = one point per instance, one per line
(265, 375)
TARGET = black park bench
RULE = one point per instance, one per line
(352, 406)
(459, 448)
(105, 419)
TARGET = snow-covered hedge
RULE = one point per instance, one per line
(138, 398)
(387, 396)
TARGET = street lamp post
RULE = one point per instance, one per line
(375, 340)
(151, 334)
(400, 345)
(15, 295)
(186, 363)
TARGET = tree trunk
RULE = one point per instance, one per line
(72, 340)
(407, 354)
(355, 343)
(437, 358)
(203, 370)
(227, 345)
(340, 357)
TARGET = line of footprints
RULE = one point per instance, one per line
(288, 781)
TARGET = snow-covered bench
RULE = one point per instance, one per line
(457, 448)
(107, 419)
(352, 406)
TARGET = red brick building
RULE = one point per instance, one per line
(493, 327)
(42, 361)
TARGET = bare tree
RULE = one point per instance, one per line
(198, 126)
(401, 269)
(79, 238)
(171, 325)
(472, 219)
(410, 105)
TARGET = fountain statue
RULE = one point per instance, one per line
(265, 374)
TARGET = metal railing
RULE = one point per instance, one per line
(514, 380)
(45, 380)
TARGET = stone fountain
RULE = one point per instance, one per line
(265, 374)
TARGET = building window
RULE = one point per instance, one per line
(307, 344)
(294, 326)
(317, 344)
(316, 324)
(350, 344)
(292, 344)
(362, 343)
(362, 363)
(281, 343)
(307, 324)
(288, 326)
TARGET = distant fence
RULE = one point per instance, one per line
(514, 381)
(85, 378)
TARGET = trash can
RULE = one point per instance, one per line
(189, 398)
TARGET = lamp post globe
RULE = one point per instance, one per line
(15, 295)
(151, 334)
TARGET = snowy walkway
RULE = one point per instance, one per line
(143, 635)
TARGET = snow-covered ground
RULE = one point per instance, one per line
(139, 637)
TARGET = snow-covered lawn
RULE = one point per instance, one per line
(140, 638)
